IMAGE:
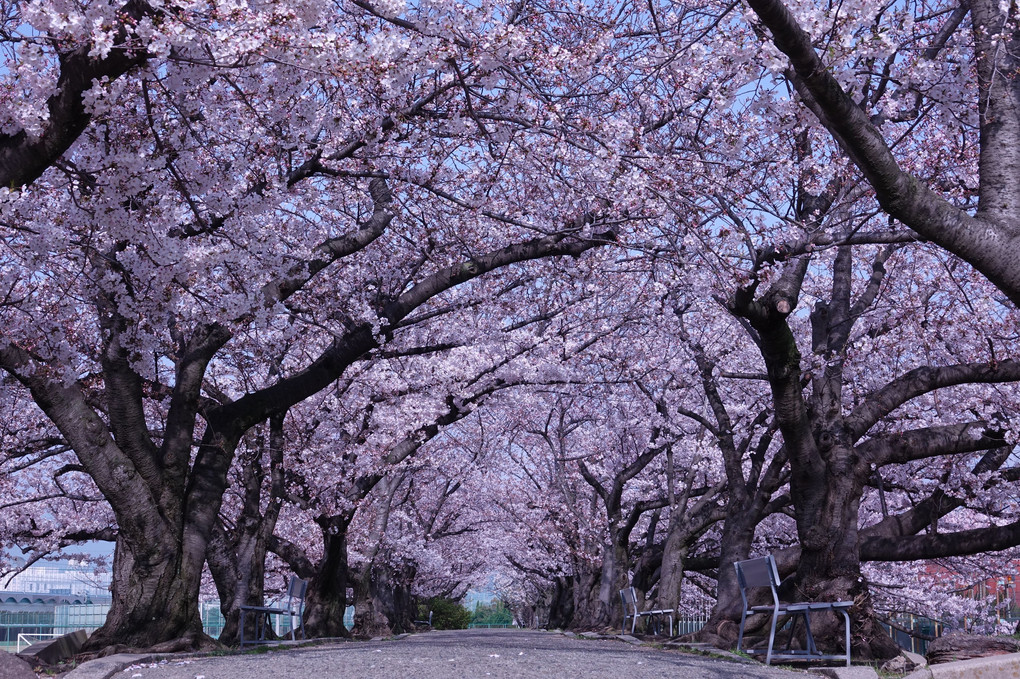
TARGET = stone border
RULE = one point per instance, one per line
(989, 667)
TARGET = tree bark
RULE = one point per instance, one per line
(561, 603)
(671, 578)
(382, 601)
(735, 545)
(326, 600)
(612, 578)
(369, 617)
(586, 597)
(154, 604)
(237, 559)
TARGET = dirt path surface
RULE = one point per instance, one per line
(447, 655)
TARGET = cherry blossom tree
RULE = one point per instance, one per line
(49, 504)
(835, 448)
(244, 245)
(370, 456)
(425, 537)
(551, 530)
(893, 64)
(758, 214)
(174, 224)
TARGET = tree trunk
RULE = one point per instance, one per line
(239, 572)
(586, 597)
(237, 559)
(687, 523)
(830, 564)
(154, 601)
(723, 623)
(229, 586)
(326, 600)
(647, 568)
(958, 646)
(671, 577)
(612, 579)
(383, 603)
(390, 597)
(561, 603)
(369, 618)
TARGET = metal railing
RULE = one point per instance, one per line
(690, 624)
(913, 632)
(497, 625)
(16, 625)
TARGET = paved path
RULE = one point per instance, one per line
(499, 654)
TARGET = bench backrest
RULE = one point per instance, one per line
(296, 589)
(760, 572)
(629, 597)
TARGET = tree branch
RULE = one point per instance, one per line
(23, 159)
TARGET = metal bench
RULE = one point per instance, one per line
(630, 610)
(762, 572)
(293, 608)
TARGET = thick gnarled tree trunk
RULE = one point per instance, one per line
(326, 600)
(369, 617)
(560, 603)
(154, 602)
(237, 558)
(382, 601)
(586, 597)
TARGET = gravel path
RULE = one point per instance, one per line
(499, 654)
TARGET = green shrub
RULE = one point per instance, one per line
(446, 613)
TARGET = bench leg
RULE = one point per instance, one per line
(264, 621)
(812, 647)
(846, 619)
(809, 637)
(793, 632)
(772, 639)
(740, 633)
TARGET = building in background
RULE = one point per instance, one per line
(46, 601)
(71, 579)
